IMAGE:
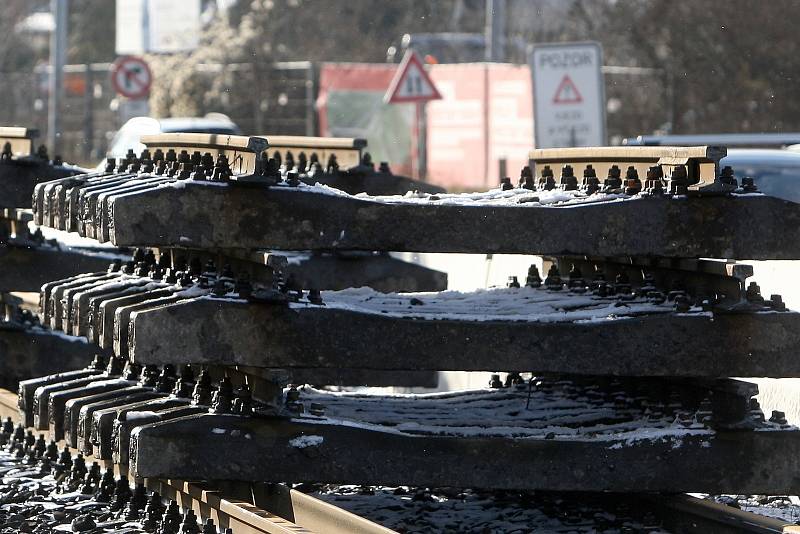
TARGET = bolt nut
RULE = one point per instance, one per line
(776, 303)
(778, 417)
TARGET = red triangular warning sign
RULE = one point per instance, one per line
(411, 82)
(567, 93)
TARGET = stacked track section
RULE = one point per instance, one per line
(29, 258)
(616, 353)
(46, 490)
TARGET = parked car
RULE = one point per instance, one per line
(129, 135)
(752, 140)
(775, 172)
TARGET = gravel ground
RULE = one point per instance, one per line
(446, 510)
(46, 496)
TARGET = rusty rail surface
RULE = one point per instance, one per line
(700, 162)
(299, 513)
(19, 140)
(347, 151)
(244, 153)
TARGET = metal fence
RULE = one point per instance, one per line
(275, 99)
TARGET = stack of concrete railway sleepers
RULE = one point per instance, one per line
(22, 166)
(28, 259)
(111, 502)
(21, 248)
(616, 355)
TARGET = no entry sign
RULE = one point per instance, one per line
(568, 95)
(131, 77)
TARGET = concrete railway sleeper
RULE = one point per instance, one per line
(720, 328)
(174, 425)
(136, 205)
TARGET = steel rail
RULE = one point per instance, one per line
(685, 513)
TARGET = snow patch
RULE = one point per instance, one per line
(497, 304)
(193, 291)
(302, 442)
(557, 414)
(136, 416)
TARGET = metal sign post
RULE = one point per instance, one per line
(411, 84)
(58, 50)
(568, 95)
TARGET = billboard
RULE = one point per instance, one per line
(469, 130)
(157, 26)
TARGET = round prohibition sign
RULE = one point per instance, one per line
(131, 77)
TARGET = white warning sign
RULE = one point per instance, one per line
(411, 82)
(568, 95)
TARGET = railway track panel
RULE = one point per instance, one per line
(301, 218)
(28, 350)
(214, 507)
(636, 234)
(564, 325)
(725, 279)
(555, 440)
(338, 454)
(26, 268)
(409, 332)
(321, 270)
(277, 211)
(379, 271)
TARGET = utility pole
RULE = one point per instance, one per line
(494, 38)
(88, 113)
(495, 30)
(58, 52)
